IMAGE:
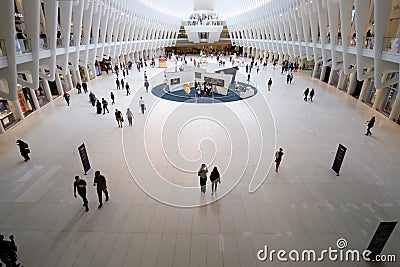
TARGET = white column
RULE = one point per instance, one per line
(365, 86)
(59, 85)
(87, 76)
(69, 81)
(394, 114)
(17, 109)
(47, 90)
(77, 76)
(352, 84)
(341, 80)
(34, 98)
(380, 94)
(2, 130)
(331, 76)
(323, 71)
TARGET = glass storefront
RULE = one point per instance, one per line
(6, 114)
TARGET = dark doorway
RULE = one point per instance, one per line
(327, 73)
(357, 89)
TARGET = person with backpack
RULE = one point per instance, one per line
(24, 149)
(67, 97)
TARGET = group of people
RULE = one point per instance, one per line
(8, 252)
(214, 178)
(204, 89)
(101, 186)
(306, 94)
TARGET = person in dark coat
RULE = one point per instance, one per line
(23, 149)
(269, 84)
(80, 186)
(370, 124)
(146, 85)
(117, 82)
(287, 78)
(278, 158)
(312, 93)
(79, 88)
(105, 106)
(100, 180)
(67, 98)
(84, 86)
(112, 98)
(98, 106)
(202, 173)
(306, 94)
(92, 98)
(8, 251)
(215, 179)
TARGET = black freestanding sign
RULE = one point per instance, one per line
(84, 158)
(380, 238)
(337, 163)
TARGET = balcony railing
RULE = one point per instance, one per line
(23, 46)
(391, 44)
(369, 42)
(44, 43)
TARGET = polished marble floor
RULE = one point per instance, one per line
(157, 216)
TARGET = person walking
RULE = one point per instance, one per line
(80, 186)
(370, 124)
(122, 84)
(129, 115)
(112, 98)
(142, 105)
(278, 158)
(248, 78)
(117, 83)
(202, 173)
(128, 89)
(146, 85)
(312, 93)
(85, 88)
(92, 98)
(8, 252)
(269, 84)
(24, 149)
(306, 94)
(291, 78)
(100, 180)
(119, 118)
(215, 179)
(98, 106)
(105, 106)
(79, 88)
(287, 78)
(67, 97)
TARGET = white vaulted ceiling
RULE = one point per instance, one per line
(224, 8)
